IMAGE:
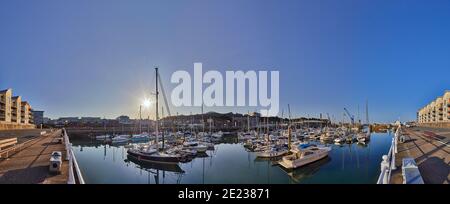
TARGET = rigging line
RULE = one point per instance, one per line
(164, 95)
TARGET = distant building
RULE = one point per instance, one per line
(46, 120)
(438, 111)
(255, 114)
(38, 117)
(91, 120)
(66, 120)
(123, 119)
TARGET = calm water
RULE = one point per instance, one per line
(231, 163)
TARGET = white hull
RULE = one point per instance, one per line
(270, 154)
(289, 162)
(199, 149)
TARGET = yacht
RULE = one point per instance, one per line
(200, 148)
(363, 137)
(306, 154)
(272, 152)
(103, 137)
(217, 135)
(120, 139)
(140, 137)
(151, 154)
(339, 140)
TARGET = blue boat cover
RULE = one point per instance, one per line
(303, 146)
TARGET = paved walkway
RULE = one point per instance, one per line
(31, 165)
(431, 150)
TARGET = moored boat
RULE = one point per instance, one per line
(304, 156)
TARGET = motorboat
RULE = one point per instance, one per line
(140, 137)
(305, 155)
(103, 137)
(349, 138)
(195, 146)
(272, 152)
(217, 135)
(363, 137)
(120, 139)
(339, 140)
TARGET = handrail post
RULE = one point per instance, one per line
(394, 146)
(384, 168)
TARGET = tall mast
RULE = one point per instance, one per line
(156, 110)
(148, 124)
(367, 112)
(203, 121)
(140, 119)
(248, 121)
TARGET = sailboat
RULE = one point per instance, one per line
(152, 153)
(364, 136)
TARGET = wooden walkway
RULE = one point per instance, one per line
(431, 151)
(31, 165)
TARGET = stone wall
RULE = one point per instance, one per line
(436, 125)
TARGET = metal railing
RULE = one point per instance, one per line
(388, 162)
(75, 176)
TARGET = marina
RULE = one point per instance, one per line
(230, 162)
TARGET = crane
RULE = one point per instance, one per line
(352, 118)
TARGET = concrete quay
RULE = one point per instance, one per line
(30, 165)
(430, 147)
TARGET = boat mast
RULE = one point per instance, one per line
(248, 121)
(140, 119)
(203, 120)
(156, 109)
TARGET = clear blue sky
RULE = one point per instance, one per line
(96, 58)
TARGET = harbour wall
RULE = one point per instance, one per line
(435, 125)
(11, 126)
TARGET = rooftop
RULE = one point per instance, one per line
(3, 91)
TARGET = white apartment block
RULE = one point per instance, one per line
(438, 111)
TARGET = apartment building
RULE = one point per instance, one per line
(438, 111)
(14, 113)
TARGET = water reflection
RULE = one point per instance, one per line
(299, 174)
(231, 163)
